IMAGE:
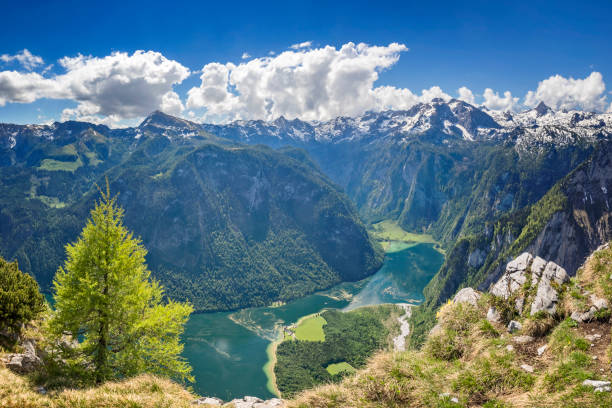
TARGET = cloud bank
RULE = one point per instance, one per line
(569, 93)
(301, 82)
(111, 88)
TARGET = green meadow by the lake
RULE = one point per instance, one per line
(393, 238)
(337, 368)
(310, 329)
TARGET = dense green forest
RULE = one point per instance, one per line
(350, 337)
(227, 225)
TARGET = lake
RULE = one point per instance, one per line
(227, 350)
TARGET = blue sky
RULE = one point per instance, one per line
(505, 46)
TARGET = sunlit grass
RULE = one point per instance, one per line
(311, 329)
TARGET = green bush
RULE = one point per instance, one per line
(20, 299)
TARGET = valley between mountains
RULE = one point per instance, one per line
(260, 223)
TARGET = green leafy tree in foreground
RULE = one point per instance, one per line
(20, 298)
(105, 297)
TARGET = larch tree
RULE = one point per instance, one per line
(106, 299)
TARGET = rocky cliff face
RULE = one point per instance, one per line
(585, 224)
(581, 223)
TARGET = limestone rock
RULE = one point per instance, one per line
(493, 315)
(519, 304)
(584, 317)
(598, 386)
(522, 339)
(593, 337)
(23, 363)
(467, 295)
(520, 263)
(537, 267)
(527, 368)
(598, 302)
(542, 349)
(254, 402)
(208, 401)
(546, 296)
(508, 284)
(545, 276)
(26, 362)
(514, 326)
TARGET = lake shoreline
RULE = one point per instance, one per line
(221, 348)
(268, 368)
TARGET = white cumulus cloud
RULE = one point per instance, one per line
(568, 93)
(495, 102)
(390, 97)
(466, 95)
(117, 86)
(25, 58)
(312, 84)
(245, 55)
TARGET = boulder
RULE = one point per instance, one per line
(23, 363)
(254, 402)
(544, 276)
(493, 315)
(522, 339)
(520, 263)
(593, 337)
(519, 304)
(599, 303)
(211, 401)
(542, 349)
(514, 326)
(582, 317)
(26, 362)
(598, 386)
(508, 284)
(546, 296)
(467, 295)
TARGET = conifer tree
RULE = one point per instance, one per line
(20, 299)
(105, 297)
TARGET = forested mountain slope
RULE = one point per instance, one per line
(226, 225)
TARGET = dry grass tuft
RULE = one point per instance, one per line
(145, 391)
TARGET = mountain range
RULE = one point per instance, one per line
(228, 205)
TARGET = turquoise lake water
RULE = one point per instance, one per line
(227, 350)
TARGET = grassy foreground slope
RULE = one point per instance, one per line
(471, 362)
(145, 391)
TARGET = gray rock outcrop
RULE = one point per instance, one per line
(244, 402)
(514, 326)
(538, 273)
(26, 362)
(546, 296)
(467, 295)
(598, 386)
(493, 315)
